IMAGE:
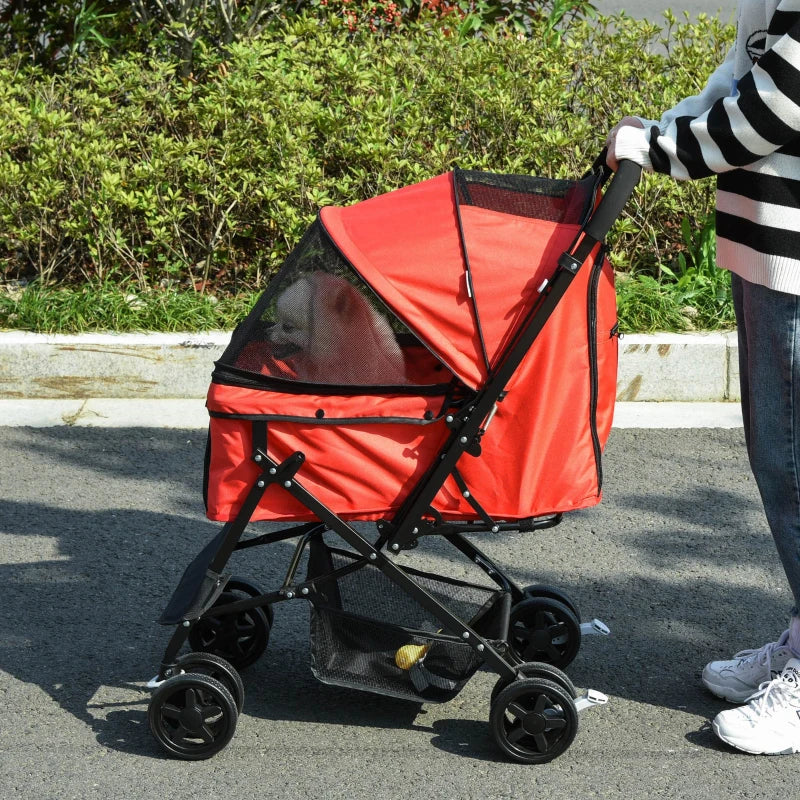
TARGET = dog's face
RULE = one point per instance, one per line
(291, 332)
(327, 331)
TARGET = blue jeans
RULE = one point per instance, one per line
(769, 367)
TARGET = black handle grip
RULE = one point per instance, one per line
(616, 196)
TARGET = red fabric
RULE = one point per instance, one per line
(538, 456)
(406, 246)
(365, 453)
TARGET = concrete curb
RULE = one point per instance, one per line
(652, 367)
(114, 412)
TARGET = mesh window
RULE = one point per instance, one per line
(558, 201)
(317, 322)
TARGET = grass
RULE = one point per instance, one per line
(691, 294)
(118, 308)
(693, 301)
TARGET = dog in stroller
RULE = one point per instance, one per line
(502, 302)
(328, 332)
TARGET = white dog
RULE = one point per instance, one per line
(328, 332)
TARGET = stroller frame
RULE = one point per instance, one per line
(196, 598)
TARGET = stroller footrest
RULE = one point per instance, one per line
(595, 628)
(591, 699)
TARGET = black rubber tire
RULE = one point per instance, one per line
(192, 716)
(554, 593)
(533, 720)
(539, 669)
(240, 639)
(543, 629)
(218, 668)
(247, 588)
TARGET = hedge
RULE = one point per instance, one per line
(123, 169)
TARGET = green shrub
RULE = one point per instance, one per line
(122, 170)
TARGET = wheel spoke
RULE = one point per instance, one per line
(178, 736)
(542, 702)
(245, 622)
(555, 724)
(522, 633)
(553, 652)
(517, 710)
(516, 734)
(541, 742)
(210, 712)
(206, 735)
(170, 712)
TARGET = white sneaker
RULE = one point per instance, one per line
(770, 722)
(736, 680)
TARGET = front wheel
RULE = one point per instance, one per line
(533, 720)
(192, 716)
(218, 669)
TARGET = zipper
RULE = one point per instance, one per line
(594, 380)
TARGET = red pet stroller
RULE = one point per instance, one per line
(436, 361)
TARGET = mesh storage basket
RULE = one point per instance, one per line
(363, 626)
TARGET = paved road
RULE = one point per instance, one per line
(654, 9)
(96, 526)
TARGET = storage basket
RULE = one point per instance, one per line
(360, 619)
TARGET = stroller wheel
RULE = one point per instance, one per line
(554, 593)
(238, 638)
(538, 669)
(533, 720)
(217, 668)
(247, 588)
(543, 629)
(192, 716)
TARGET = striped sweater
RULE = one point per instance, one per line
(745, 128)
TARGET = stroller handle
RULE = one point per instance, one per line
(616, 196)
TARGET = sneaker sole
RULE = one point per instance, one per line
(726, 693)
(748, 747)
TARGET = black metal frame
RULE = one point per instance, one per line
(467, 425)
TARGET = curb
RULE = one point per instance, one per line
(662, 367)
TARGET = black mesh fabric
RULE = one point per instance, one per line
(560, 201)
(317, 322)
(361, 620)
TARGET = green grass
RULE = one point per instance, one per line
(114, 307)
(691, 294)
(693, 300)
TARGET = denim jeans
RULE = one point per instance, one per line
(769, 366)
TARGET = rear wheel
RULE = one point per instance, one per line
(543, 629)
(240, 638)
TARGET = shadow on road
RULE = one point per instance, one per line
(96, 527)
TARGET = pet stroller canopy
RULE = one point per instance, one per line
(459, 263)
(459, 258)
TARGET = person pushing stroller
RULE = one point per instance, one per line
(744, 127)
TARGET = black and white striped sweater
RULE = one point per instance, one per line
(745, 128)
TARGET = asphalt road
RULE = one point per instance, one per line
(97, 525)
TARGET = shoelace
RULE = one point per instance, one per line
(763, 655)
(774, 694)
